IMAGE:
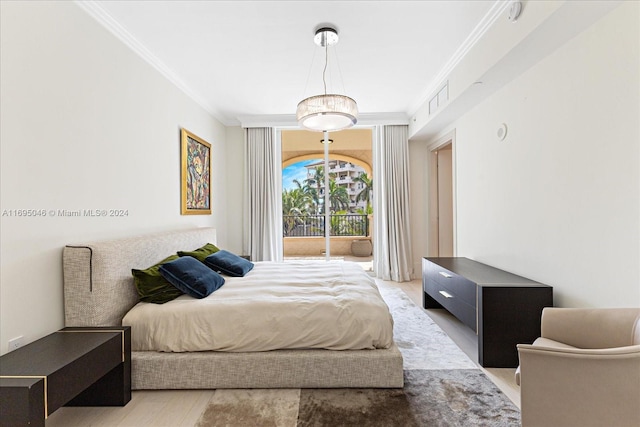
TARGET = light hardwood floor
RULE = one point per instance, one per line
(465, 338)
(148, 408)
(182, 408)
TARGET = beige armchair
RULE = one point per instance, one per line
(584, 370)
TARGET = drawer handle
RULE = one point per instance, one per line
(445, 294)
(447, 275)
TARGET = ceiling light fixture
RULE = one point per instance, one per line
(328, 112)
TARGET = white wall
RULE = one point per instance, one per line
(86, 124)
(558, 200)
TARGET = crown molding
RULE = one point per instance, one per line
(97, 12)
(483, 26)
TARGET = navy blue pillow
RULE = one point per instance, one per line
(191, 276)
(228, 263)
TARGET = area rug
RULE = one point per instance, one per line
(443, 387)
(422, 343)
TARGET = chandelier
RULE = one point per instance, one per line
(327, 112)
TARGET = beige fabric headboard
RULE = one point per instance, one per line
(98, 286)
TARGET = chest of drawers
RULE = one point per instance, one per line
(502, 308)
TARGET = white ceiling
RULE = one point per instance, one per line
(242, 59)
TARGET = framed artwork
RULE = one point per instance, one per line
(195, 174)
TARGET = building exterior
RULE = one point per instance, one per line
(344, 174)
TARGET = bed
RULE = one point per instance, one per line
(99, 291)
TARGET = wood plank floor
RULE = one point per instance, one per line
(182, 408)
(465, 338)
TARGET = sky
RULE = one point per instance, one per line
(295, 171)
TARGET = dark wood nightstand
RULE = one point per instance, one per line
(81, 366)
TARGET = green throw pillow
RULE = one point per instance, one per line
(201, 253)
(152, 287)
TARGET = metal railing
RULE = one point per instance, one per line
(313, 225)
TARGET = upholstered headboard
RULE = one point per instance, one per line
(98, 286)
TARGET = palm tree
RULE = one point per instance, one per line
(314, 185)
(339, 227)
(295, 205)
(338, 197)
(366, 211)
(308, 193)
(367, 189)
(294, 202)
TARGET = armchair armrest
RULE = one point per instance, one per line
(592, 328)
(630, 351)
(579, 387)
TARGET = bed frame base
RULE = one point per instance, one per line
(270, 369)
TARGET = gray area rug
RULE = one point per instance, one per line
(422, 343)
(453, 397)
(443, 387)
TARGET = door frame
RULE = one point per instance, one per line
(432, 212)
(368, 168)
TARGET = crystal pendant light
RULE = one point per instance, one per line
(327, 112)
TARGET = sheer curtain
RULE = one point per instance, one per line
(392, 234)
(263, 195)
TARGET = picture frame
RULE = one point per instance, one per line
(195, 174)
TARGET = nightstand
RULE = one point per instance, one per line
(79, 366)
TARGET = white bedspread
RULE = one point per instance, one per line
(302, 304)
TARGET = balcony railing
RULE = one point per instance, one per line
(313, 225)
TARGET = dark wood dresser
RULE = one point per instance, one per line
(502, 308)
(81, 366)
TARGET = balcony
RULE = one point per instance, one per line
(304, 235)
(313, 225)
(342, 167)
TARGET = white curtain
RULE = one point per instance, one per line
(392, 234)
(263, 195)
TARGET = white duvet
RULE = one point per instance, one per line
(292, 305)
